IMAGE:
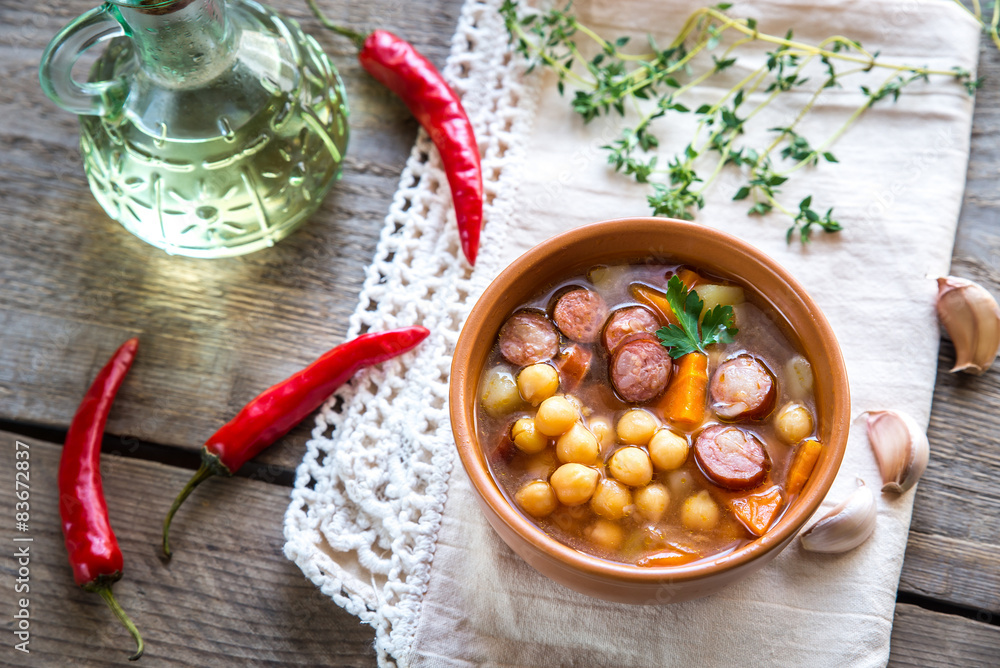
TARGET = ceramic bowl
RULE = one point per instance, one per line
(626, 240)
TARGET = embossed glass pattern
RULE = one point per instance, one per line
(216, 128)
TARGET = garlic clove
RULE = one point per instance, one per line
(901, 449)
(972, 319)
(846, 526)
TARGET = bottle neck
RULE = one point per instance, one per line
(182, 44)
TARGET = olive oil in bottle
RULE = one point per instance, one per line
(208, 128)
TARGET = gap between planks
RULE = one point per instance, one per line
(214, 526)
(133, 448)
(229, 597)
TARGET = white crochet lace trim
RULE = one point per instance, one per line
(366, 507)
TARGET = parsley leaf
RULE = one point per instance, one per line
(718, 325)
(677, 340)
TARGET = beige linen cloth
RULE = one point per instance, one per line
(897, 189)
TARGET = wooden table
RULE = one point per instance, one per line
(73, 285)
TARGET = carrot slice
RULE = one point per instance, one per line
(655, 299)
(803, 465)
(757, 511)
(658, 299)
(666, 558)
(690, 277)
(684, 401)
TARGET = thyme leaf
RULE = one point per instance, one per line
(655, 82)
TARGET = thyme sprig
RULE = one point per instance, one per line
(993, 27)
(653, 84)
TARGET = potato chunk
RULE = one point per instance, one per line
(715, 295)
(498, 393)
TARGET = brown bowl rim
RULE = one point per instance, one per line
(473, 460)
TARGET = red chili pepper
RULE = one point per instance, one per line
(414, 79)
(93, 549)
(274, 412)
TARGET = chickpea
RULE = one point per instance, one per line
(570, 519)
(611, 500)
(537, 498)
(601, 428)
(541, 465)
(526, 437)
(578, 405)
(652, 501)
(631, 466)
(574, 484)
(793, 423)
(668, 450)
(578, 445)
(537, 382)
(555, 416)
(700, 512)
(680, 483)
(636, 427)
(606, 534)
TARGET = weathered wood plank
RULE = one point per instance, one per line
(74, 284)
(953, 553)
(228, 597)
(929, 639)
(954, 540)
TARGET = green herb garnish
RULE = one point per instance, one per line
(654, 81)
(718, 325)
(993, 27)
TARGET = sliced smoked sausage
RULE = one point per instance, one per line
(572, 363)
(743, 388)
(731, 457)
(640, 368)
(528, 337)
(627, 321)
(579, 314)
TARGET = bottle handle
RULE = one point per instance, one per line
(56, 70)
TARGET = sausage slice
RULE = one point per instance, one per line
(627, 321)
(579, 314)
(573, 363)
(640, 368)
(743, 388)
(528, 337)
(731, 457)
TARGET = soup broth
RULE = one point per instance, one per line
(623, 448)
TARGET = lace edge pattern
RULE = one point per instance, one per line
(370, 491)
